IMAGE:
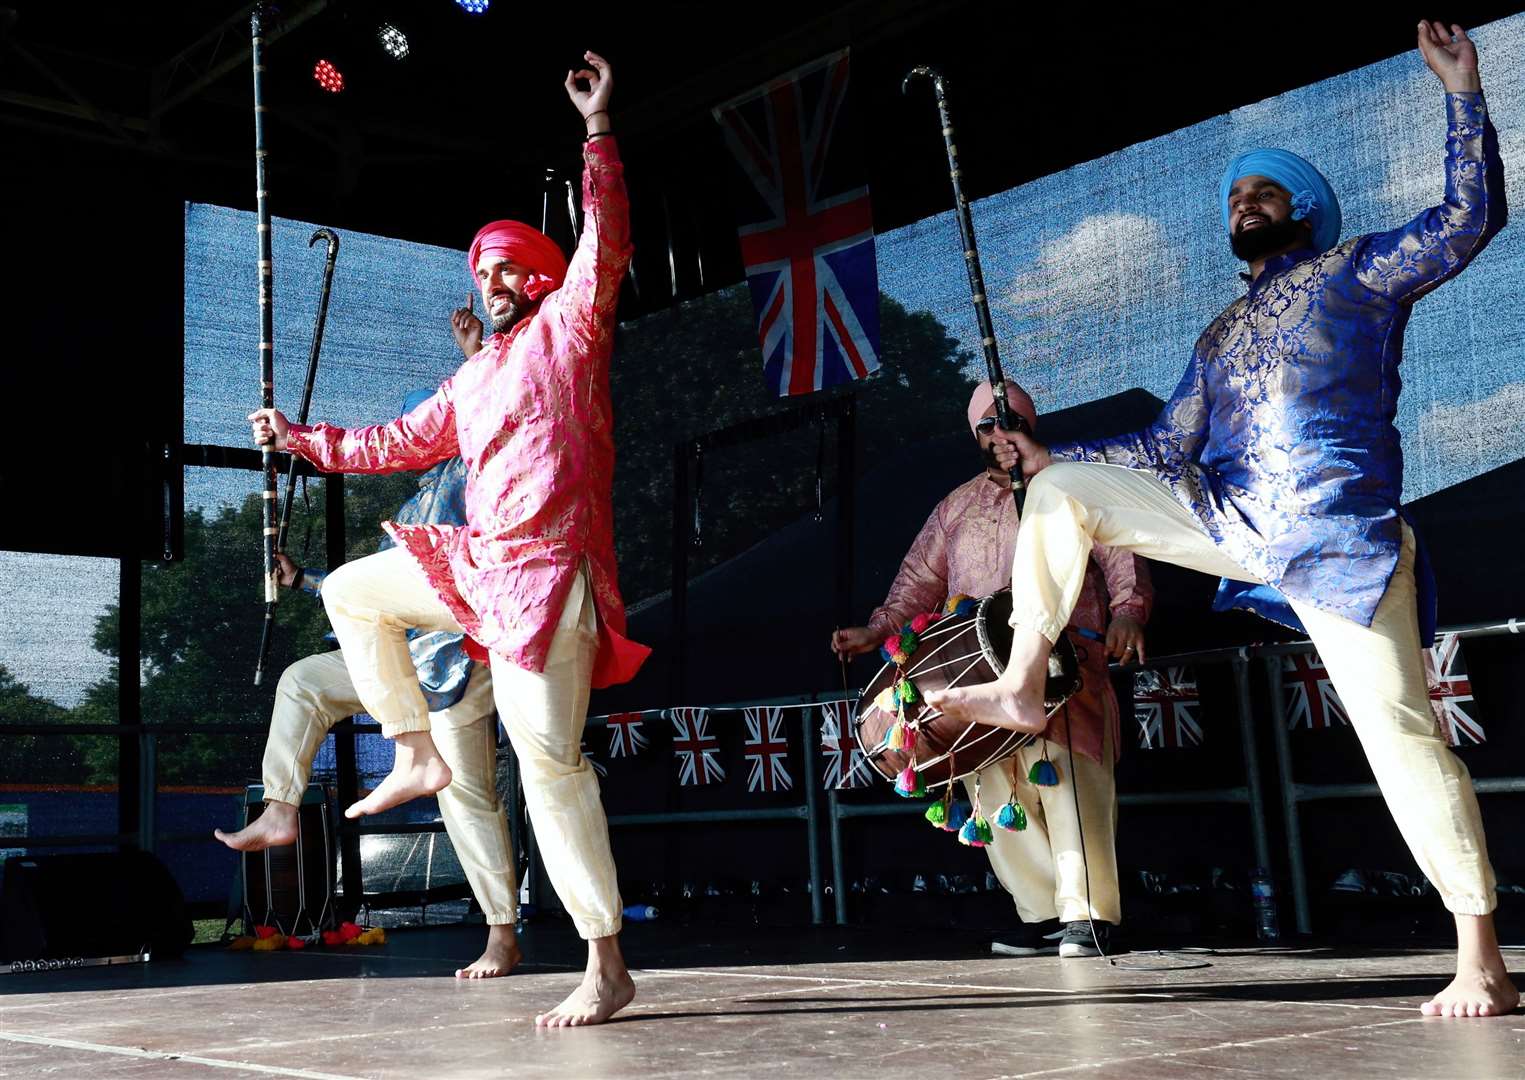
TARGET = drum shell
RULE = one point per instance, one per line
(959, 650)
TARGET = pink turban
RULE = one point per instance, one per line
(1017, 397)
(530, 248)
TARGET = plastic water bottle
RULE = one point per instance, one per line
(1263, 896)
(640, 913)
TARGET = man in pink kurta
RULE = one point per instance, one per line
(531, 575)
(966, 547)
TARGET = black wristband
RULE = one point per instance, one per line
(598, 135)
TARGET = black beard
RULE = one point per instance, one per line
(1258, 243)
(502, 324)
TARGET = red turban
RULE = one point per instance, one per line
(983, 398)
(530, 248)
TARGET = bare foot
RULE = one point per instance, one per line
(1476, 993)
(499, 958)
(417, 771)
(276, 826)
(606, 989)
(1482, 986)
(997, 704)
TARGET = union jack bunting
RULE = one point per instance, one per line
(598, 766)
(1165, 707)
(697, 751)
(807, 228)
(625, 738)
(846, 767)
(767, 751)
(1312, 701)
(1445, 669)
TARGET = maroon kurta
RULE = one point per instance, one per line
(966, 546)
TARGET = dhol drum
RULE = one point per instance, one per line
(956, 650)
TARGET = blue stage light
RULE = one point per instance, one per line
(473, 7)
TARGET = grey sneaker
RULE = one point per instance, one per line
(1083, 938)
(1030, 940)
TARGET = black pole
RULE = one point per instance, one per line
(1005, 416)
(682, 536)
(266, 334)
(846, 483)
(319, 321)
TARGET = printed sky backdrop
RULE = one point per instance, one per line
(1102, 276)
(388, 330)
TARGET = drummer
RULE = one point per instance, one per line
(966, 547)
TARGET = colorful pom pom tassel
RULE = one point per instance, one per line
(895, 740)
(959, 604)
(906, 693)
(958, 813)
(907, 736)
(897, 648)
(885, 700)
(924, 620)
(909, 783)
(937, 814)
(1011, 817)
(1043, 773)
(975, 833)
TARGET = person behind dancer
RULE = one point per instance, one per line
(965, 547)
(1276, 465)
(317, 692)
(531, 576)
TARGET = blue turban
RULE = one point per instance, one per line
(415, 399)
(1312, 197)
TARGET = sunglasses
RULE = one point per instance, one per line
(987, 424)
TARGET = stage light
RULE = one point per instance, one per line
(328, 76)
(473, 7)
(393, 41)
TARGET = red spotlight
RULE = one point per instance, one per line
(328, 76)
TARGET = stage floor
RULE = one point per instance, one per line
(727, 1002)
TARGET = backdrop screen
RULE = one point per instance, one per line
(1102, 276)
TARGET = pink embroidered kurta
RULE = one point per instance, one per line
(966, 546)
(530, 415)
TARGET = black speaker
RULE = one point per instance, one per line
(91, 905)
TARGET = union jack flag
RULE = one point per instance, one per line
(1165, 707)
(1312, 701)
(625, 738)
(767, 751)
(1445, 669)
(807, 228)
(598, 766)
(697, 751)
(846, 767)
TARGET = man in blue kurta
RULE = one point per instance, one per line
(1276, 466)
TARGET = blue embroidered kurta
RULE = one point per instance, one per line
(440, 657)
(1280, 437)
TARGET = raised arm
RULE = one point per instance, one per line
(587, 299)
(1408, 262)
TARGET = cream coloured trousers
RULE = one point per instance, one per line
(1377, 670)
(1043, 866)
(373, 601)
(317, 692)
